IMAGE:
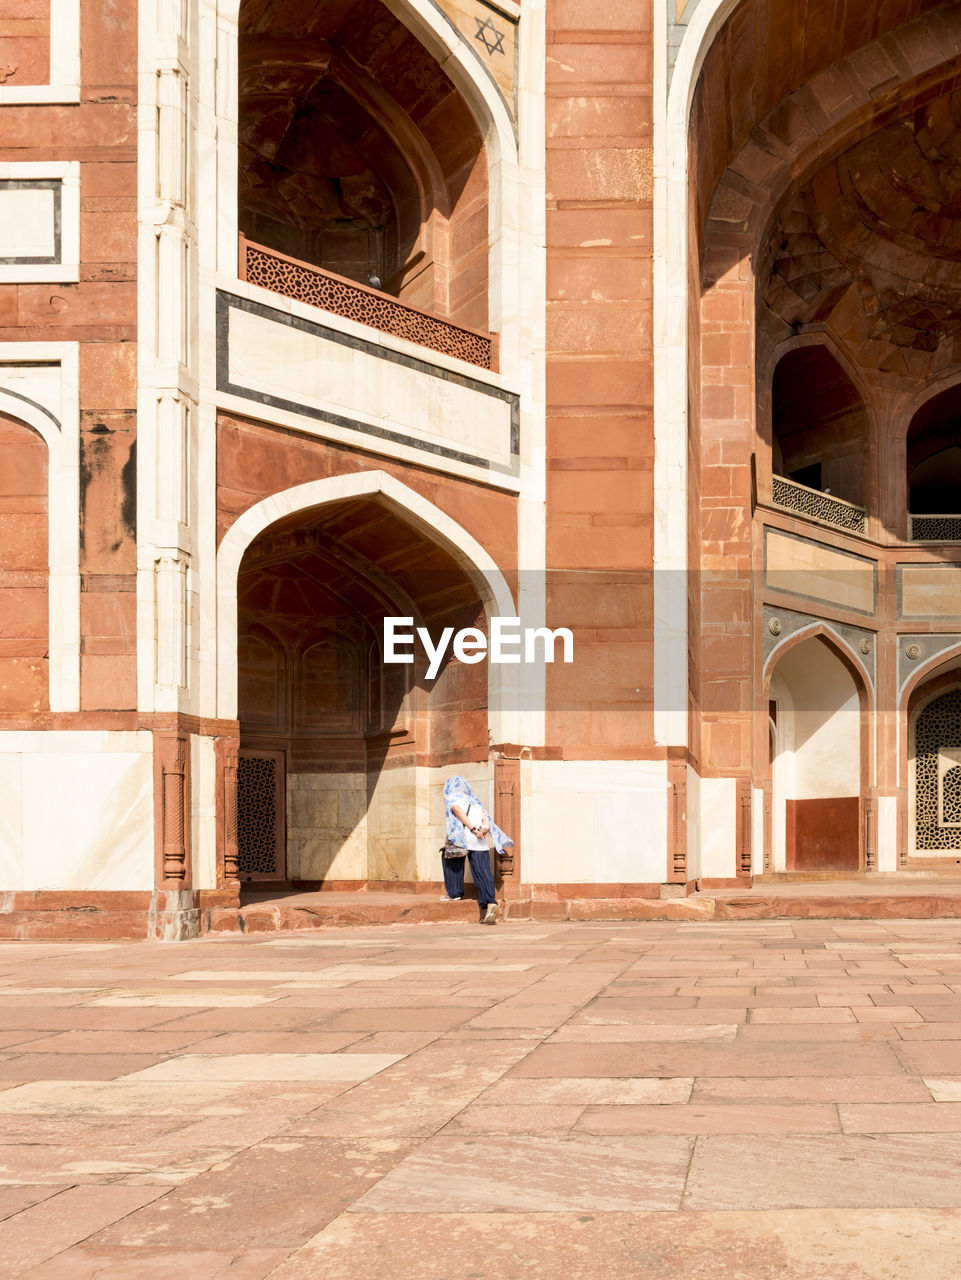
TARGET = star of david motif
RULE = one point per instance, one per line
(489, 36)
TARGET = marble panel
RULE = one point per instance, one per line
(28, 222)
(719, 829)
(11, 833)
(814, 571)
(582, 820)
(294, 366)
(99, 833)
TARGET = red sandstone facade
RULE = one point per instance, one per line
(642, 320)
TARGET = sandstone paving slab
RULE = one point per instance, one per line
(820, 1032)
(624, 1011)
(132, 1098)
(644, 1032)
(85, 1019)
(694, 1118)
(899, 1088)
(789, 1245)
(86, 1263)
(14, 1199)
(80, 1164)
(512, 1175)
(180, 1000)
(377, 1120)
(74, 1066)
(151, 1042)
(405, 1018)
(47, 1228)
(265, 1042)
(11, 1039)
(546, 1119)
(818, 1015)
(719, 1059)
(273, 1017)
(833, 1171)
(905, 1117)
(930, 1057)
(276, 1194)
(203, 1068)
(944, 1090)
(887, 1013)
(587, 1091)
(402, 1042)
(929, 1030)
(544, 1016)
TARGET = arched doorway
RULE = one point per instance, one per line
(343, 756)
(816, 719)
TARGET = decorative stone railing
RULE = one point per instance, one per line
(939, 528)
(318, 288)
(803, 501)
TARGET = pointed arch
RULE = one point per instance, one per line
(416, 511)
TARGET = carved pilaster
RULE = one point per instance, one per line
(870, 834)
(507, 814)
(677, 822)
(231, 752)
(744, 824)
(173, 751)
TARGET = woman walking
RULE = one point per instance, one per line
(468, 826)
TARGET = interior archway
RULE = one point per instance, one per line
(816, 770)
(357, 154)
(343, 756)
(819, 425)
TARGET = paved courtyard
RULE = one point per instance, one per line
(446, 1102)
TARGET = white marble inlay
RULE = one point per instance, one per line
(27, 227)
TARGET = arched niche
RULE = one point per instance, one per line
(933, 466)
(816, 705)
(819, 425)
(358, 154)
(358, 757)
(24, 557)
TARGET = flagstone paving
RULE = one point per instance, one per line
(743, 1100)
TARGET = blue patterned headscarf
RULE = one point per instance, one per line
(456, 831)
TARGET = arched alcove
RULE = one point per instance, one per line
(357, 154)
(817, 764)
(933, 467)
(345, 754)
(24, 557)
(819, 425)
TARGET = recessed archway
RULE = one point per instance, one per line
(815, 710)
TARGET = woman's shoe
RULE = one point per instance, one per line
(446, 898)
(490, 916)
